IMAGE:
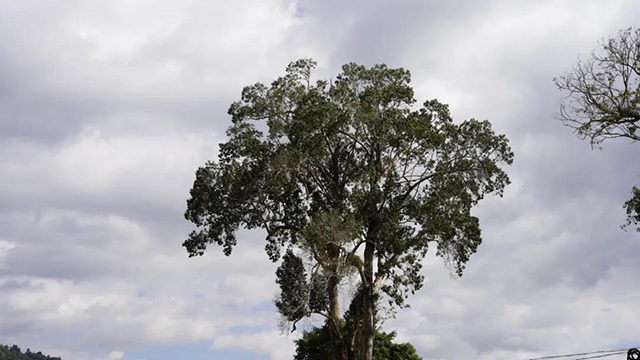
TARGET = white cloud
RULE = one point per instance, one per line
(271, 343)
(116, 355)
(5, 247)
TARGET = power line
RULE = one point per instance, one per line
(601, 356)
(577, 354)
(603, 352)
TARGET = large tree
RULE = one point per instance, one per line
(603, 97)
(352, 179)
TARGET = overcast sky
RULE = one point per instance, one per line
(107, 108)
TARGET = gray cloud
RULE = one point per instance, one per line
(107, 109)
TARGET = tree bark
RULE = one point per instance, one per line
(368, 303)
(335, 332)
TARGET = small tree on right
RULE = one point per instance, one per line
(603, 100)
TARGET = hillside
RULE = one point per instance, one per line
(14, 353)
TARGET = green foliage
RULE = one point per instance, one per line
(353, 147)
(14, 353)
(316, 345)
(632, 207)
(385, 349)
(299, 298)
(292, 279)
(331, 167)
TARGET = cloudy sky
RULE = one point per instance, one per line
(107, 108)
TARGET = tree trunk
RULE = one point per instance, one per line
(368, 304)
(335, 332)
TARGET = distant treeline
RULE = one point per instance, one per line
(14, 353)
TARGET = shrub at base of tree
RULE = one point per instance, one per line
(316, 345)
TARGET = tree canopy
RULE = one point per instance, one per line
(603, 100)
(348, 178)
